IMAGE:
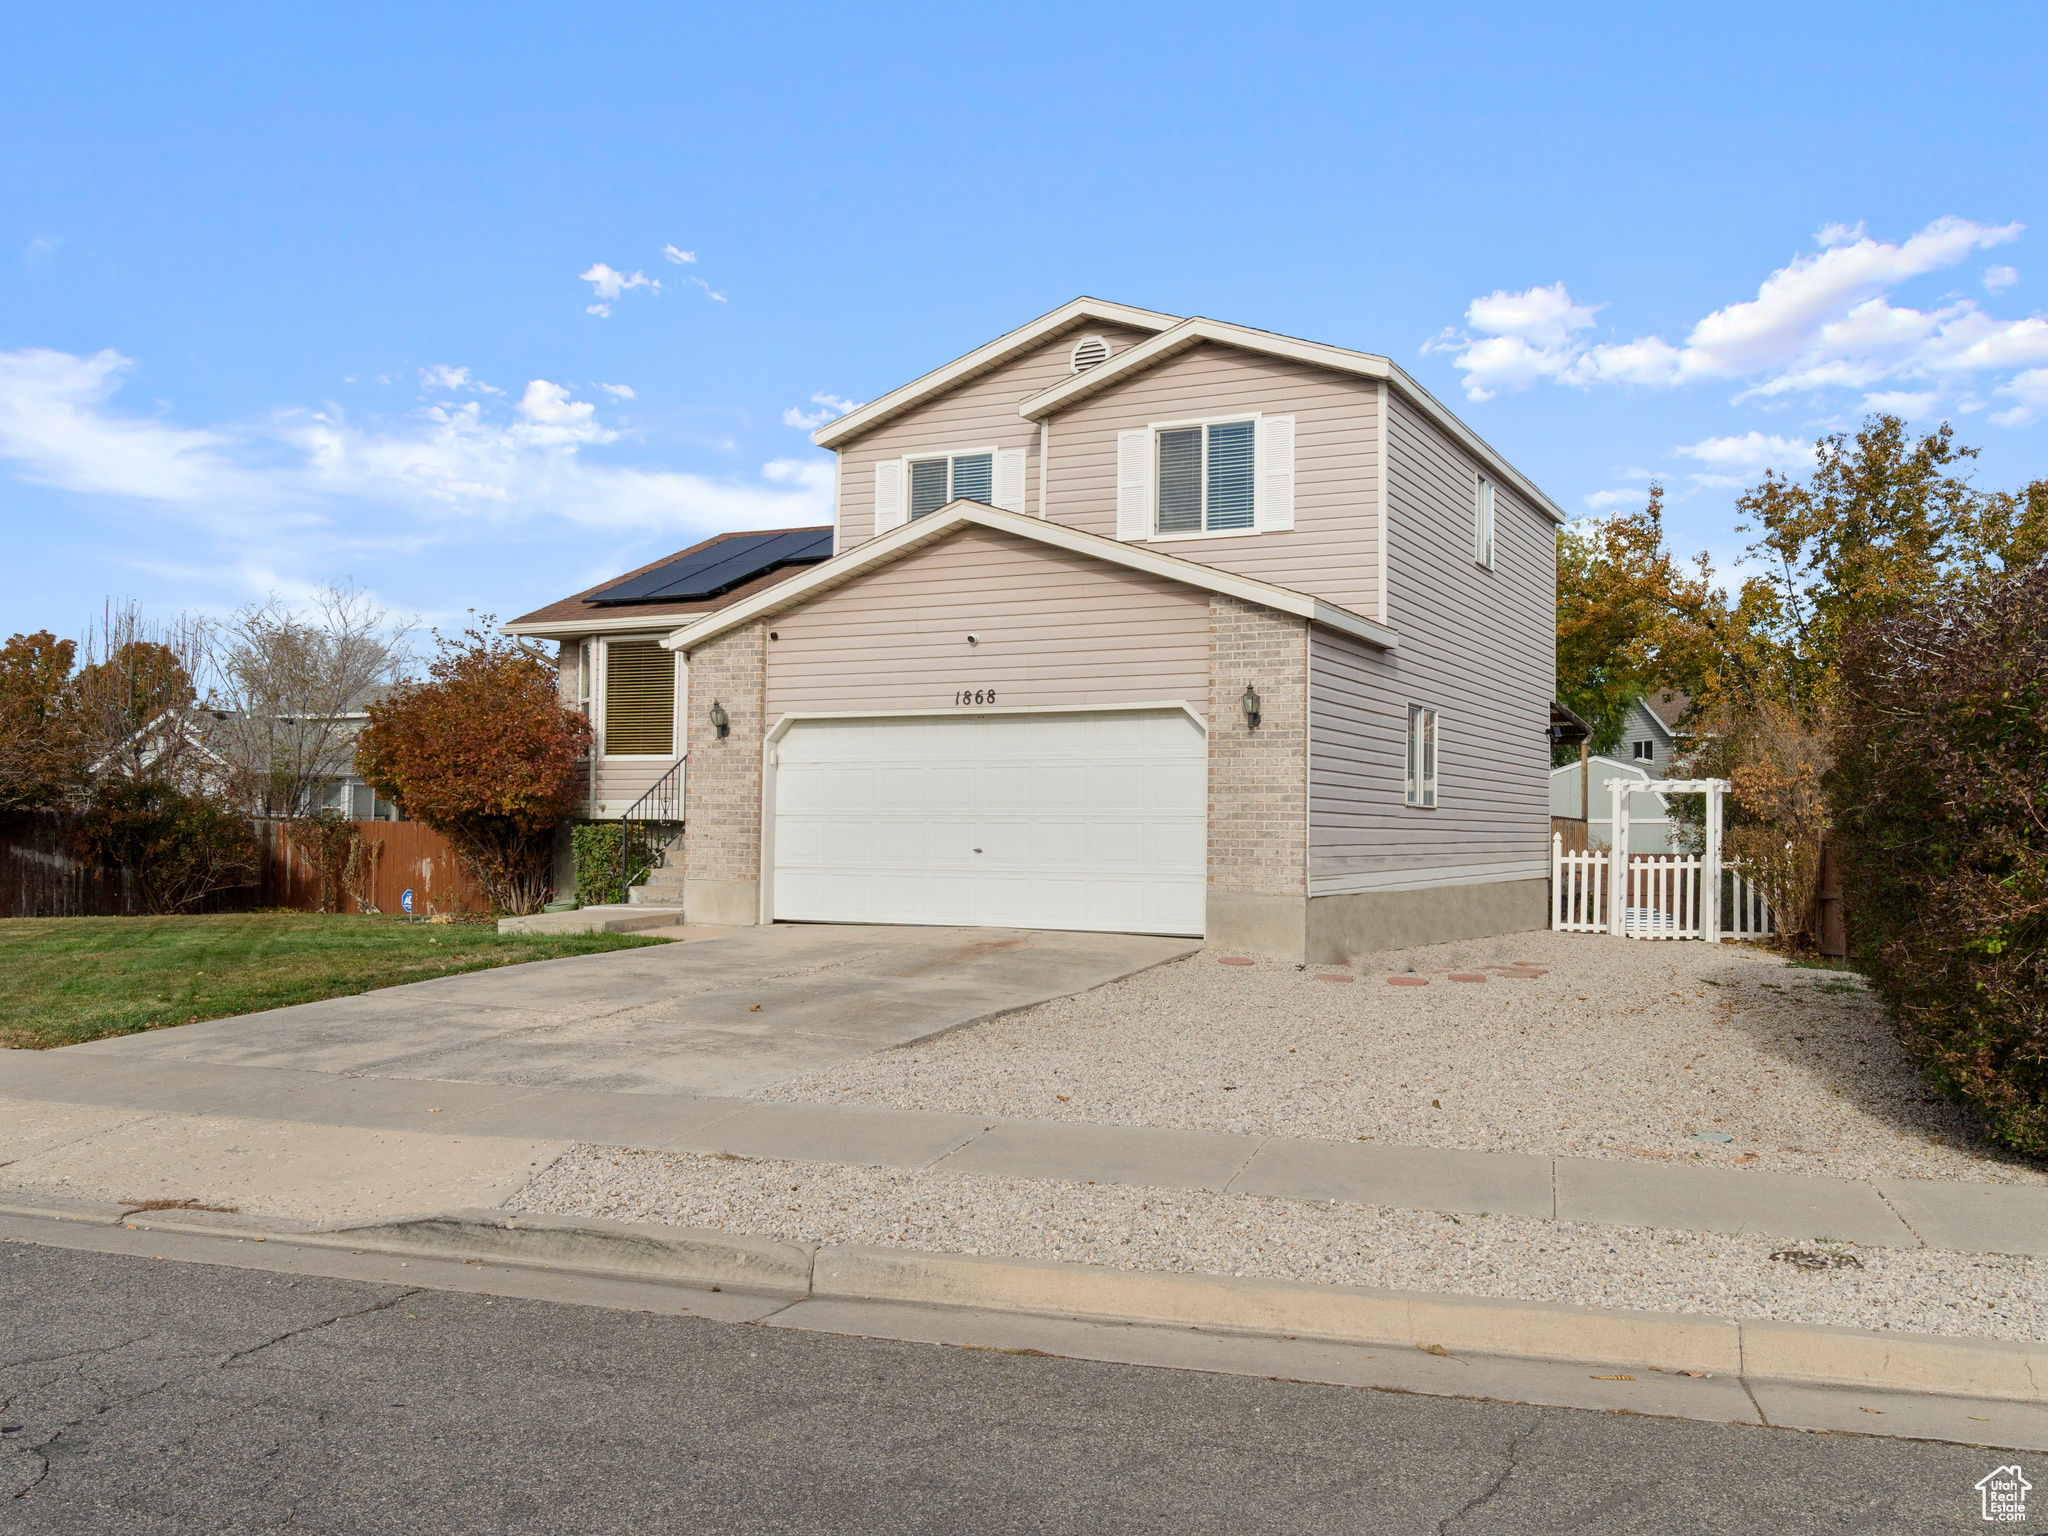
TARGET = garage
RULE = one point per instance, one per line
(1077, 819)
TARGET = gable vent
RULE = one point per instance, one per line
(1088, 351)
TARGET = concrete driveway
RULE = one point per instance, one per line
(718, 1015)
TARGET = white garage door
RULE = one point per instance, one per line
(1094, 821)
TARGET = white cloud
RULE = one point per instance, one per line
(618, 391)
(713, 292)
(2031, 390)
(306, 490)
(1823, 321)
(830, 407)
(1749, 454)
(1601, 501)
(1998, 279)
(607, 283)
(1904, 402)
(678, 257)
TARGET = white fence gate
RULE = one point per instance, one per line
(1664, 897)
(1656, 896)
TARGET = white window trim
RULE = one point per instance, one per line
(1484, 501)
(1152, 516)
(949, 455)
(1417, 792)
(675, 722)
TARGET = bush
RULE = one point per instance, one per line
(486, 755)
(1941, 815)
(596, 846)
(178, 848)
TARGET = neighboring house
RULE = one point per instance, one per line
(1131, 623)
(1649, 733)
(1649, 814)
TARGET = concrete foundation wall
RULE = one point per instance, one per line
(1339, 927)
(722, 903)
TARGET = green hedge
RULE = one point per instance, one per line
(596, 845)
(1941, 816)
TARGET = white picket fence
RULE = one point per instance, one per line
(1664, 897)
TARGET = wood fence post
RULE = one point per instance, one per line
(1712, 872)
(1617, 860)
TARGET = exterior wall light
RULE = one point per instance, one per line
(1251, 707)
(720, 721)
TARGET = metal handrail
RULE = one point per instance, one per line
(640, 849)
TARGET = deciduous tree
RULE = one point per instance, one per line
(485, 754)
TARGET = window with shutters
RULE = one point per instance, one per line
(639, 699)
(1422, 756)
(1205, 477)
(962, 476)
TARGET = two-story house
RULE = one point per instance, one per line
(1130, 623)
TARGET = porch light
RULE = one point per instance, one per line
(720, 721)
(1251, 707)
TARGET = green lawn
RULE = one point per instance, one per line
(68, 979)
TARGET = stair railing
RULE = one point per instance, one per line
(647, 828)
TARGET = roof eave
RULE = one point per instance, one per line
(980, 360)
(899, 542)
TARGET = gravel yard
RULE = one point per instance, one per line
(1618, 1048)
(1914, 1290)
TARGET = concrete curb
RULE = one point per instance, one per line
(1669, 1341)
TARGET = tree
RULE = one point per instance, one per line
(287, 682)
(134, 694)
(485, 754)
(42, 751)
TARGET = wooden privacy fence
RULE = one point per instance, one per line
(401, 856)
(39, 877)
(1664, 896)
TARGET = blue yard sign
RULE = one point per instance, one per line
(405, 901)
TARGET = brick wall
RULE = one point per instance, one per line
(722, 784)
(1258, 779)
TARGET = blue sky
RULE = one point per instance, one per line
(370, 294)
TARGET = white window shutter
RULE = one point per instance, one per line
(1010, 479)
(1134, 484)
(1274, 509)
(888, 495)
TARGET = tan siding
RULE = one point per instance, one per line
(980, 413)
(623, 780)
(1332, 551)
(1476, 644)
(1054, 628)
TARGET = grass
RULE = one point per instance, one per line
(65, 980)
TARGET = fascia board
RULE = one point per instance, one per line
(982, 358)
(576, 629)
(901, 541)
(1364, 365)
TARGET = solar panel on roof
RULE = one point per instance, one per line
(720, 567)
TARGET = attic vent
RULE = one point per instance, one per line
(1088, 351)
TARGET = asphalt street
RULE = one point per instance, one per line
(142, 1395)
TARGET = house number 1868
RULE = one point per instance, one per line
(975, 696)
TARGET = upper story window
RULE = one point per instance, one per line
(1205, 478)
(1482, 522)
(1187, 479)
(1642, 751)
(963, 476)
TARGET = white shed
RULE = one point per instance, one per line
(1649, 814)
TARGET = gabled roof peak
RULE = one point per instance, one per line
(992, 355)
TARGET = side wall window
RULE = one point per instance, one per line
(639, 699)
(1422, 755)
(935, 483)
(1205, 478)
(1482, 522)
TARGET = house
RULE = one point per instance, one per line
(1649, 733)
(1126, 622)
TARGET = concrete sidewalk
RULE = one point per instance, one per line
(1989, 1218)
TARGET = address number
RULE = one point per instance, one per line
(975, 696)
